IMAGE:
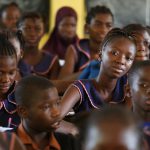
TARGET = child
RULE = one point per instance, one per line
(142, 39)
(32, 27)
(40, 112)
(139, 81)
(17, 41)
(99, 21)
(10, 14)
(113, 129)
(64, 32)
(118, 52)
(8, 70)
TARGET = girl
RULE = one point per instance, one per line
(8, 71)
(64, 32)
(99, 21)
(32, 26)
(118, 52)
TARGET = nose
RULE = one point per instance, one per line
(5, 78)
(120, 60)
(55, 112)
(141, 46)
(103, 30)
(148, 90)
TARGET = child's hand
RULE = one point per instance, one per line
(67, 128)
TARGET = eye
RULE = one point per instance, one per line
(115, 53)
(129, 58)
(46, 106)
(144, 85)
(12, 72)
(146, 43)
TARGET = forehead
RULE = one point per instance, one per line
(122, 44)
(8, 62)
(142, 35)
(143, 74)
(68, 19)
(49, 95)
(33, 22)
(102, 17)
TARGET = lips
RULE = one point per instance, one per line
(55, 125)
(4, 87)
(119, 69)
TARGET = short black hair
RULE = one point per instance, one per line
(6, 48)
(135, 28)
(29, 15)
(98, 10)
(27, 89)
(135, 68)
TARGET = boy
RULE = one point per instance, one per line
(39, 107)
(139, 81)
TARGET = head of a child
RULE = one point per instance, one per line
(32, 26)
(139, 81)
(66, 23)
(10, 15)
(117, 53)
(142, 39)
(113, 129)
(8, 65)
(17, 41)
(99, 21)
(38, 103)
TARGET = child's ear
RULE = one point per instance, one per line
(22, 111)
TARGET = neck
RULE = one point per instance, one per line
(143, 115)
(94, 47)
(36, 135)
(105, 82)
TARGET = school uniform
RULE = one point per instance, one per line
(91, 71)
(57, 141)
(83, 53)
(90, 97)
(43, 68)
(8, 112)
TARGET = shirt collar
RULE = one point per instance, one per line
(26, 139)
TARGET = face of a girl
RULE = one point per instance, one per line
(118, 56)
(8, 70)
(67, 28)
(32, 30)
(142, 40)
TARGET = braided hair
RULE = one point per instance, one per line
(113, 34)
(6, 48)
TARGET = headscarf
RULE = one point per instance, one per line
(55, 44)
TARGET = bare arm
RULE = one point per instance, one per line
(70, 60)
(54, 71)
(70, 98)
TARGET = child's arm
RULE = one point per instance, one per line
(54, 70)
(70, 98)
(70, 60)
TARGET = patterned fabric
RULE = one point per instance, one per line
(8, 113)
(90, 97)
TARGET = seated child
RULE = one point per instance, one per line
(118, 52)
(41, 63)
(39, 107)
(113, 128)
(139, 81)
(8, 70)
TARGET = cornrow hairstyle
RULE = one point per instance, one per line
(98, 10)
(135, 68)
(133, 28)
(113, 34)
(6, 48)
(29, 15)
(17, 35)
